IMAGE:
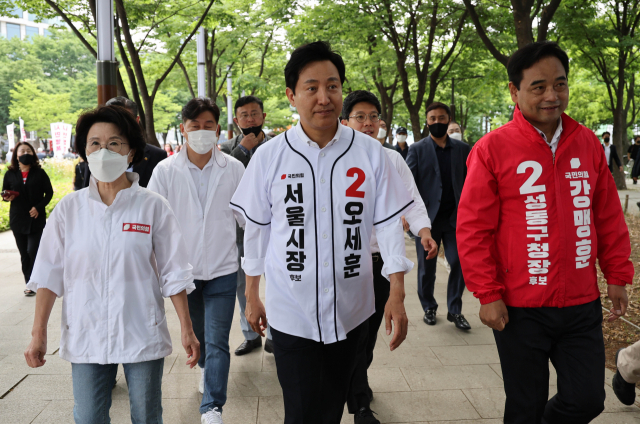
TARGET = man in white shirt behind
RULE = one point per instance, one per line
(310, 198)
(361, 111)
(198, 182)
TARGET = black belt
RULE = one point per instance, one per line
(375, 257)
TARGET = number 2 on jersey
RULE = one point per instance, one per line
(528, 186)
(352, 191)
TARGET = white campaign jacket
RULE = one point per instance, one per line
(211, 239)
(113, 265)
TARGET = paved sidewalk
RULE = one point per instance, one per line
(439, 375)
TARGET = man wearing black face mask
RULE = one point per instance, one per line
(439, 167)
(249, 118)
(610, 151)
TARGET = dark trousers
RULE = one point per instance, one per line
(28, 247)
(315, 376)
(441, 231)
(359, 389)
(572, 339)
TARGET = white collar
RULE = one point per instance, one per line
(304, 137)
(556, 137)
(133, 178)
(208, 164)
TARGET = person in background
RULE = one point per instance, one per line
(69, 154)
(168, 149)
(540, 206)
(361, 112)
(78, 176)
(401, 142)
(112, 252)
(27, 214)
(454, 131)
(632, 155)
(439, 167)
(382, 132)
(610, 151)
(198, 184)
(249, 118)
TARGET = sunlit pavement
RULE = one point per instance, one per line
(439, 375)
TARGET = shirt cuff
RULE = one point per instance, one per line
(418, 224)
(490, 298)
(253, 267)
(175, 287)
(33, 286)
(616, 282)
(395, 264)
(244, 150)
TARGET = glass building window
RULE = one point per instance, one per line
(17, 11)
(13, 30)
(47, 33)
(32, 31)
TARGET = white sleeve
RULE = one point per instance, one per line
(156, 183)
(239, 216)
(417, 217)
(392, 198)
(256, 242)
(250, 202)
(392, 249)
(174, 270)
(48, 270)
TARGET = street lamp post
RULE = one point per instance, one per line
(201, 63)
(229, 105)
(106, 64)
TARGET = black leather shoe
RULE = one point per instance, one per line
(459, 320)
(268, 346)
(365, 416)
(248, 345)
(430, 317)
(626, 392)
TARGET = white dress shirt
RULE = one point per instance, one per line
(201, 178)
(113, 265)
(417, 217)
(607, 152)
(310, 213)
(556, 136)
(201, 204)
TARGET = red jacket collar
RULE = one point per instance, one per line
(569, 126)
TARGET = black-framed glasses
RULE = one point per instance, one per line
(362, 117)
(114, 145)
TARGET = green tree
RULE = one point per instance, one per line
(39, 109)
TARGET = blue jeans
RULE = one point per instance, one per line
(92, 385)
(211, 307)
(249, 334)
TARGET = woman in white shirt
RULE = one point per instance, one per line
(113, 251)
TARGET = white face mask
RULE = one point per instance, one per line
(456, 136)
(202, 141)
(382, 133)
(106, 165)
(401, 138)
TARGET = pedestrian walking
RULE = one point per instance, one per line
(27, 186)
(402, 146)
(610, 152)
(439, 166)
(198, 183)
(113, 252)
(310, 198)
(249, 116)
(361, 111)
(539, 207)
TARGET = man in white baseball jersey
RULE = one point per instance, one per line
(311, 198)
(361, 111)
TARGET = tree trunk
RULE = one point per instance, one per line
(150, 128)
(618, 139)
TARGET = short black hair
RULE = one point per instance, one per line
(313, 52)
(195, 107)
(438, 105)
(118, 116)
(130, 105)
(606, 132)
(531, 54)
(636, 137)
(356, 97)
(243, 101)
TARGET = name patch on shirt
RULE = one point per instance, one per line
(136, 228)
